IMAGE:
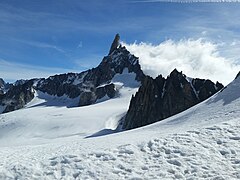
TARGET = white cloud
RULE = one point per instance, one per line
(41, 45)
(14, 71)
(196, 58)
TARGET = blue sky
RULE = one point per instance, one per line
(39, 38)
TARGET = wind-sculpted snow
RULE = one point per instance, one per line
(212, 152)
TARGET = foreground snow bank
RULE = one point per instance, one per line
(212, 152)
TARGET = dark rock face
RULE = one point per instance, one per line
(205, 88)
(17, 96)
(87, 98)
(115, 44)
(87, 85)
(4, 87)
(2, 83)
(238, 75)
(160, 98)
(90, 97)
(108, 90)
(69, 84)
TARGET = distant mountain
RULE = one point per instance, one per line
(161, 98)
(4, 87)
(156, 99)
(89, 85)
(86, 84)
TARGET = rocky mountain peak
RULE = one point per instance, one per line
(118, 59)
(88, 86)
(115, 44)
(175, 72)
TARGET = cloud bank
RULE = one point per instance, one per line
(196, 58)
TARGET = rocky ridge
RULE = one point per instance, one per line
(155, 100)
(89, 85)
(161, 98)
(238, 75)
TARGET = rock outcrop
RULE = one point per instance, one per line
(108, 90)
(2, 86)
(238, 75)
(160, 98)
(115, 44)
(17, 96)
(2, 83)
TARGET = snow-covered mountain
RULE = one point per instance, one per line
(49, 142)
(88, 86)
(96, 85)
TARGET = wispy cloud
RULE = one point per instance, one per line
(35, 25)
(56, 22)
(14, 71)
(196, 58)
(41, 45)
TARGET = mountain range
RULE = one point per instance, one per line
(155, 100)
(115, 122)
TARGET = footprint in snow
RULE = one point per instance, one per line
(235, 138)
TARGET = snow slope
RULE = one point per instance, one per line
(49, 117)
(200, 143)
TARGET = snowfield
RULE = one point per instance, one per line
(45, 141)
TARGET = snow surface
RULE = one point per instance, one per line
(49, 142)
(126, 79)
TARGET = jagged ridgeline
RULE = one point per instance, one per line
(155, 100)
(161, 98)
(89, 85)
